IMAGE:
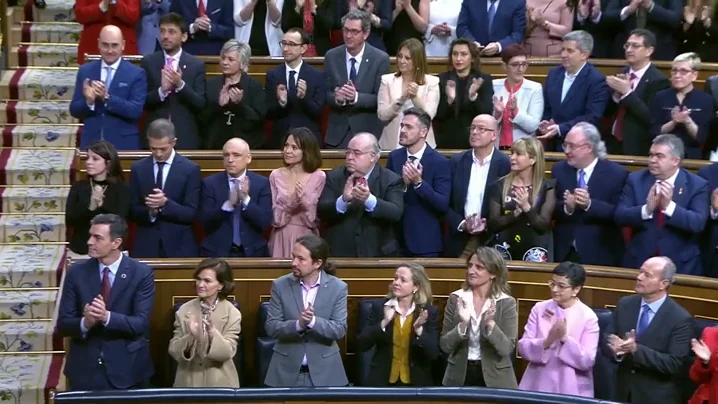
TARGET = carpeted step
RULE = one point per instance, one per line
(46, 32)
(40, 55)
(27, 379)
(40, 135)
(56, 10)
(31, 228)
(26, 336)
(37, 85)
(31, 266)
(28, 305)
(34, 200)
(41, 166)
(36, 113)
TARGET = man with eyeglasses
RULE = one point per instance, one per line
(588, 187)
(362, 203)
(633, 91)
(684, 110)
(294, 90)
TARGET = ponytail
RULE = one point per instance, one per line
(330, 269)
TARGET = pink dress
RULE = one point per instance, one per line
(293, 218)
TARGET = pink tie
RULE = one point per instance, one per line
(168, 65)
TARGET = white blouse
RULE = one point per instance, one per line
(441, 11)
(474, 330)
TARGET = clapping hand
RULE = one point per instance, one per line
(582, 197)
(282, 94)
(629, 343)
(475, 224)
(412, 173)
(499, 106)
(476, 83)
(195, 326)
(521, 196)
(244, 188)
(156, 199)
(224, 95)
(450, 91)
(360, 191)
(714, 199)
(701, 350)
(652, 199)
(556, 333)
(665, 194)
(389, 312)
(680, 115)
(464, 311)
(306, 316)
(236, 95)
(97, 197)
(487, 319)
(301, 89)
(96, 311)
(412, 90)
(420, 321)
(569, 201)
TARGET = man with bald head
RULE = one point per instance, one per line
(362, 203)
(94, 15)
(472, 171)
(650, 338)
(236, 207)
(110, 95)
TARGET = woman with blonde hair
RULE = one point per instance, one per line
(480, 326)
(404, 328)
(521, 205)
(410, 86)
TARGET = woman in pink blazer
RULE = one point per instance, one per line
(561, 338)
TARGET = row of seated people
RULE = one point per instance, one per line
(361, 95)
(107, 300)
(536, 23)
(420, 204)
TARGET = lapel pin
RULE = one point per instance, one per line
(680, 191)
(123, 276)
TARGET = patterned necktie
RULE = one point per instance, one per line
(643, 320)
(159, 178)
(201, 10)
(236, 237)
(108, 77)
(581, 179)
(621, 114)
(353, 71)
(292, 85)
(492, 13)
(106, 287)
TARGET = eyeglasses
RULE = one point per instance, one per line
(519, 65)
(290, 44)
(571, 146)
(552, 284)
(480, 129)
(352, 31)
(681, 72)
(632, 45)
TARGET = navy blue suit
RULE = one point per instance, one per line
(678, 238)
(709, 240)
(599, 241)
(221, 15)
(460, 175)
(171, 234)
(703, 109)
(123, 344)
(116, 119)
(424, 207)
(218, 224)
(306, 112)
(585, 101)
(507, 28)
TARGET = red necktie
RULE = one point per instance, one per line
(106, 287)
(660, 218)
(201, 10)
(618, 127)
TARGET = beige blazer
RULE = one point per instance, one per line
(530, 103)
(390, 112)
(497, 348)
(200, 364)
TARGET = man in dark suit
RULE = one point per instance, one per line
(164, 194)
(211, 24)
(709, 241)
(236, 207)
(574, 92)
(105, 310)
(650, 338)
(472, 171)
(353, 75)
(491, 26)
(667, 208)
(110, 95)
(175, 83)
(589, 17)
(294, 91)
(362, 203)
(662, 17)
(588, 188)
(633, 91)
(427, 179)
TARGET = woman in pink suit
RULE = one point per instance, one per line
(560, 338)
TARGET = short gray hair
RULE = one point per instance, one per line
(669, 270)
(691, 57)
(374, 142)
(593, 137)
(361, 15)
(583, 40)
(161, 129)
(244, 52)
(673, 142)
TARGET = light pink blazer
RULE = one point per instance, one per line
(563, 368)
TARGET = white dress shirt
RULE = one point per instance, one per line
(568, 80)
(478, 180)
(467, 296)
(296, 74)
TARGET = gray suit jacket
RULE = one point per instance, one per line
(497, 348)
(362, 116)
(319, 343)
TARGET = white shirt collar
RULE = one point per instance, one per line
(114, 66)
(359, 55)
(240, 178)
(169, 161)
(589, 170)
(487, 160)
(114, 267)
(301, 281)
(573, 77)
(175, 58)
(418, 154)
(672, 179)
(395, 304)
(639, 73)
(296, 69)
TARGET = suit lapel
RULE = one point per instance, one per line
(283, 71)
(679, 189)
(173, 172)
(364, 65)
(342, 56)
(373, 178)
(94, 277)
(297, 292)
(322, 291)
(121, 279)
(465, 173)
(634, 310)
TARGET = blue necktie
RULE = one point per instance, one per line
(108, 77)
(292, 85)
(492, 13)
(160, 174)
(643, 320)
(581, 179)
(353, 71)
(236, 238)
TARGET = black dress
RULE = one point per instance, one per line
(78, 214)
(401, 29)
(702, 40)
(528, 236)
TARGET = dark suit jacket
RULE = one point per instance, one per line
(183, 107)
(637, 136)
(451, 125)
(116, 119)
(602, 31)
(254, 220)
(585, 101)
(678, 238)
(246, 119)
(424, 206)
(702, 40)
(703, 108)
(221, 15)
(356, 232)
(664, 21)
(324, 22)
(123, 344)
(346, 120)
(306, 112)
(422, 351)
(599, 241)
(173, 226)
(460, 175)
(508, 27)
(649, 375)
(709, 240)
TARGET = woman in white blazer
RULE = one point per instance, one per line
(518, 102)
(271, 10)
(410, 86)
